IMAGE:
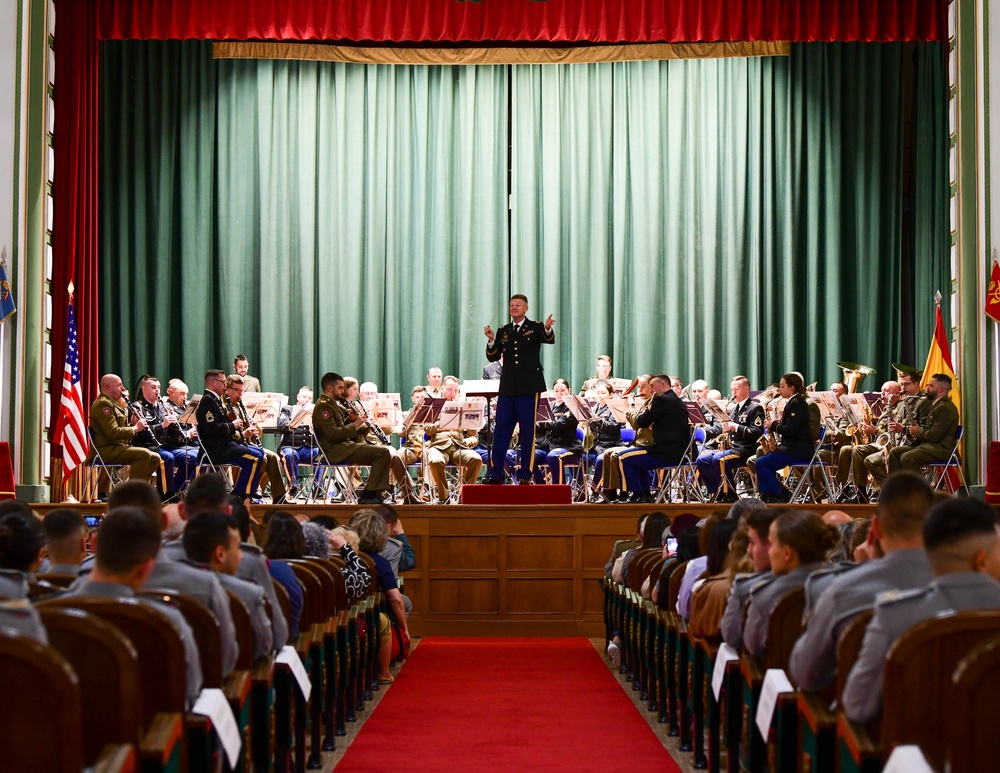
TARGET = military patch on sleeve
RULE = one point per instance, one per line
(209, 417)
(326, 414)
(107, 411)
(758, 422)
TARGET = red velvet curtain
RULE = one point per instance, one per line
(74, 227)
(526, 21)
(81, 23)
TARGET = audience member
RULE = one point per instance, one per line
(397, 551)
(708, 597)
(758, 527)
(126, 553)
(20, 616)
(373, 532)
(962, 540)
(65, 540)
(799, 542)
(284, 541)
(622, 545)
(898, 526)
(653, 529)
(212, 540)
(695, 568)
(21, 544)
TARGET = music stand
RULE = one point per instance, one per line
(488, 388)
(695, 414)
(584, 414)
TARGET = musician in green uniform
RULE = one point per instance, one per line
(113, 429)
(935, 434)
(342, 439)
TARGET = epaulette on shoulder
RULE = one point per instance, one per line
(249, 549)
(762, 583)
(895, 595)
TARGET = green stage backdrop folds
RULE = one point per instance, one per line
(703, 218)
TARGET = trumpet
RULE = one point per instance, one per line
(359, 409)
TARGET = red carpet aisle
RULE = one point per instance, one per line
(506, 705)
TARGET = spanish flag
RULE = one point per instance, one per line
(939, 360)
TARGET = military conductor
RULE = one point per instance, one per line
(522, 380)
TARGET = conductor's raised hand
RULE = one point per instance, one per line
(489, 333)
(549, 323)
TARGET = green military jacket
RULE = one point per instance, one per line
(914, 411)
(937, 430)
(110, 425)
(331, 426)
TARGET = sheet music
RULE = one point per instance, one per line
(302, 416)
(829, 407)
(579, 408)
(190, 415)
(618, 406)
(715, 409)
(263, 408)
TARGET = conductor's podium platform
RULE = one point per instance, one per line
(483, 494)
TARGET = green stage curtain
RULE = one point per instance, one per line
(704, 218)
(313, 216)
(710, 218)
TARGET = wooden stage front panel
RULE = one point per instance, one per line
(504, 570)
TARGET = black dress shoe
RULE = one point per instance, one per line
(370, 498)
(524, 481)
(725, 496)
(639, 498)
(493, 481)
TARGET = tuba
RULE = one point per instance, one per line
(854, 374)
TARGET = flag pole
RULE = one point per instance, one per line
(64, 479)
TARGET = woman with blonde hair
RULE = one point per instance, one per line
(373, 532)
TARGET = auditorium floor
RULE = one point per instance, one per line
(683, 759)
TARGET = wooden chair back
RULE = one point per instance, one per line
(918, 672)
(322, 570)
(971, 712)
(784, 627)
(107, 667)
(674, 584)
(312, 596)
(244, 631)
(206, 630)
(42, 698)
(162, 664)
(334, 565)
(848, 648)
(62, 580)
(638, 567)
(281, 593)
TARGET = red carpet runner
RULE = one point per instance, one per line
(506, 705)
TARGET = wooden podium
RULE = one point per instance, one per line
(485, 494)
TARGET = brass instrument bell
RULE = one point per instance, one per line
(854, 374)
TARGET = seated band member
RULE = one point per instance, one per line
(250, 434)
(743, 430)
(934, 433)
(852, 465)
(603, 370)
(297, 444)
(216, 430)
(241, 366)
(798, 428)
(114, 427)
(180, 436)
(668, 417)
(341, 435)
(606, 469)
(397, 462)
(519, 342)
(179, 462)
(607, 431)
(451, 446)
(493, 370)
(914, 406)
(434, 378)
(560, 434)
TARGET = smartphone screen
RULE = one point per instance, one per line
(93, 521)
(671, 545)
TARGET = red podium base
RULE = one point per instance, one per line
(483, 494)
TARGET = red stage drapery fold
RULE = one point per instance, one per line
(527, 21)
(81, 23)
(74, 190)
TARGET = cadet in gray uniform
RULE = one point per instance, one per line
(126, 553)
(799, 542)
(65, 540)
(21, 544)
(20, 616)
(758, 525)
(898, 526)
(962, 539)
(212, 540)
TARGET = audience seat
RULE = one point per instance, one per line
(971, 711)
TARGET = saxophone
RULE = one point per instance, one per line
(769, 441)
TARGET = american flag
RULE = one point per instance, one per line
(71, 429)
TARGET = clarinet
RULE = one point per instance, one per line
(374, 428)
(132, 410)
